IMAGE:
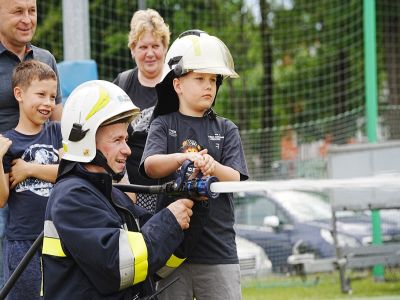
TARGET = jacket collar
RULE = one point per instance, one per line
(102, 181)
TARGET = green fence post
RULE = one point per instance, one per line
(371, 95)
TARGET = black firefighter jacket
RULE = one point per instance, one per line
(93, 248)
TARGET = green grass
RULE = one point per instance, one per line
(323, 286)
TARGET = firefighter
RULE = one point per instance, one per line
(97, 243)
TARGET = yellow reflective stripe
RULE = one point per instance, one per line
(51, 241)
(52, 246)
(65, 147)
(139, 250)
(104, 99)
(41, 273)
(174, 261)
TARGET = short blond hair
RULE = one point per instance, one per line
(148, 20)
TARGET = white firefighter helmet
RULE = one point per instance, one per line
(193, 51)
(197, 51)
(91, 105)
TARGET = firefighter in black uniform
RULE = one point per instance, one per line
(97, 243)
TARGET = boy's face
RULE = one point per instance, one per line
(37, 102)
(196, 92)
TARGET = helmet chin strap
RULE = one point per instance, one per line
(210, 113)
(101, 161)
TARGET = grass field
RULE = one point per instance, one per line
(323, 286)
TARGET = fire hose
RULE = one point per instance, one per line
(197, 189)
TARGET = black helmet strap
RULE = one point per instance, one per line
(101, 161)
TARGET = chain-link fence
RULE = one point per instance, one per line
(301, 66)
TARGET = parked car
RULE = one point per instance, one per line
(252, 259)
(290, 221)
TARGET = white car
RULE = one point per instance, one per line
(252, 258)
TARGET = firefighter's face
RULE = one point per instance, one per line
(111, 141)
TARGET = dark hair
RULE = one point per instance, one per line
(30, 70)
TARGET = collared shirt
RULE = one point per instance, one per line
(9, 110)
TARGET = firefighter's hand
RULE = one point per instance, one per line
(182, 210)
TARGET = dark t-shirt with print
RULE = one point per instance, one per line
(27, 201)
(174, 133)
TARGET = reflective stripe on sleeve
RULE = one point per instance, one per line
(172, 263)
(51, 241)
(132, 257)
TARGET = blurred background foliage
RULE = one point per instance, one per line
(301, 67)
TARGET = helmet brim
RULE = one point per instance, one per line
(224, 72)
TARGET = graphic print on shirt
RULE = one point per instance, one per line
(188, 146)
(39, 154)
(217, 139)
(142, 122)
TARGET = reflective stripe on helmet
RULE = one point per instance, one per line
(104, 99)
(133, 255)
(51, 241)
(172, 263)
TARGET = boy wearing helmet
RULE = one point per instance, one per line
(185, 127)
(97, 243)
(30, 155)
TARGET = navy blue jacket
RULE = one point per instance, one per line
(92, 245)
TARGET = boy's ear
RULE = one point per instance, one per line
(177, 85)
(18, 93)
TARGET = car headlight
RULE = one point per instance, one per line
(346, 240)
(366, 240)
(327, 236)
(343, 240)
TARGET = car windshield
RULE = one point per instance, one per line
(251, 209)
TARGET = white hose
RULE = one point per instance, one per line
(383, 181)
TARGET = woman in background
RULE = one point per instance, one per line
(148, 41)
